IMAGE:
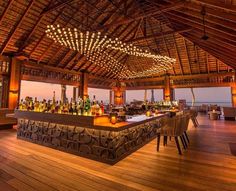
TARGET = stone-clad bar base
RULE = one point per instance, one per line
(101, 145)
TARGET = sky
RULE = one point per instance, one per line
(45, 91)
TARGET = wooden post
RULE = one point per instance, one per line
(119, 90)
(145, 95)
(124, 97)
(152, 96)
(74, 93)
(83, 88)
(233, 95)
(5, 93)
(169, 93)
(15, 80)
(63, 93)
(110, 97)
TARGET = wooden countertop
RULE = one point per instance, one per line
(85, 121)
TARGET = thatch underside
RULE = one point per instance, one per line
(170, 28)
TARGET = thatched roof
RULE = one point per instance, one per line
(172, 28)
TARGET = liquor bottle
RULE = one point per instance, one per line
(36, 105)
(102, 107)
(97, 108)
(57, 107)
(87, 105)
(66, 107)
(54, 98)
(74, 107)
(70, 108)
(93, 108)
(80, 106)
(20, 107)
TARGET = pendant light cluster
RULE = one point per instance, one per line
(94, 46)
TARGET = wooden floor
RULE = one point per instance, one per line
(207, 165)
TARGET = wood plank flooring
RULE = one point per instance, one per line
(207, 165)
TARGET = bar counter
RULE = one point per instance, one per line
(93, 137)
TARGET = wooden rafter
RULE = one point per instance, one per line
(207, 62)
(30, 34)
(52, 43)
(178, 56)
(187, 54)
(42, 37)
(6, 42)
(160, 35)
(138, 17)
(56, 7)
(5, 10)
(197, 23)
(197, 58)
(64, 58)
(216, 4)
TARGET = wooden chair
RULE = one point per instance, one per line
(185, 126)
(173, 127)
(193, 116)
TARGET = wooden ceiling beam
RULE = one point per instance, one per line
(160, 35)
(112, 13)
(187, 55)
(217, 65)
(64, 57)
(215, 4)
(72, 60)
(212, 43)
(29, 35)
(213, 19)
(198, 27)
(201, 76)
(213, 50)
(52, 43)
(42, 37)
(143, 87)
(180, 77)
(221, 40)
(229, 18)
(105, 7)
(206, 84)
(138, 17)
(166, 47)
(126, 28)
(197, 57)
(82, 64)
(18, 23)
(81, 58)
(192, 21)
(5, 10)
(207, 63)
(56, 7)
(178, 56)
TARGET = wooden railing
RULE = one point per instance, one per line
(216, 80)
(42, 74)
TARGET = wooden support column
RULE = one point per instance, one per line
(233, 95)
(152, 96)
(63, 93)
(124, 97)
(119, 90)
(83, 88)
(15, 80)
(110, 97)
(145, 95)
(74, 93)
(168, 91)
